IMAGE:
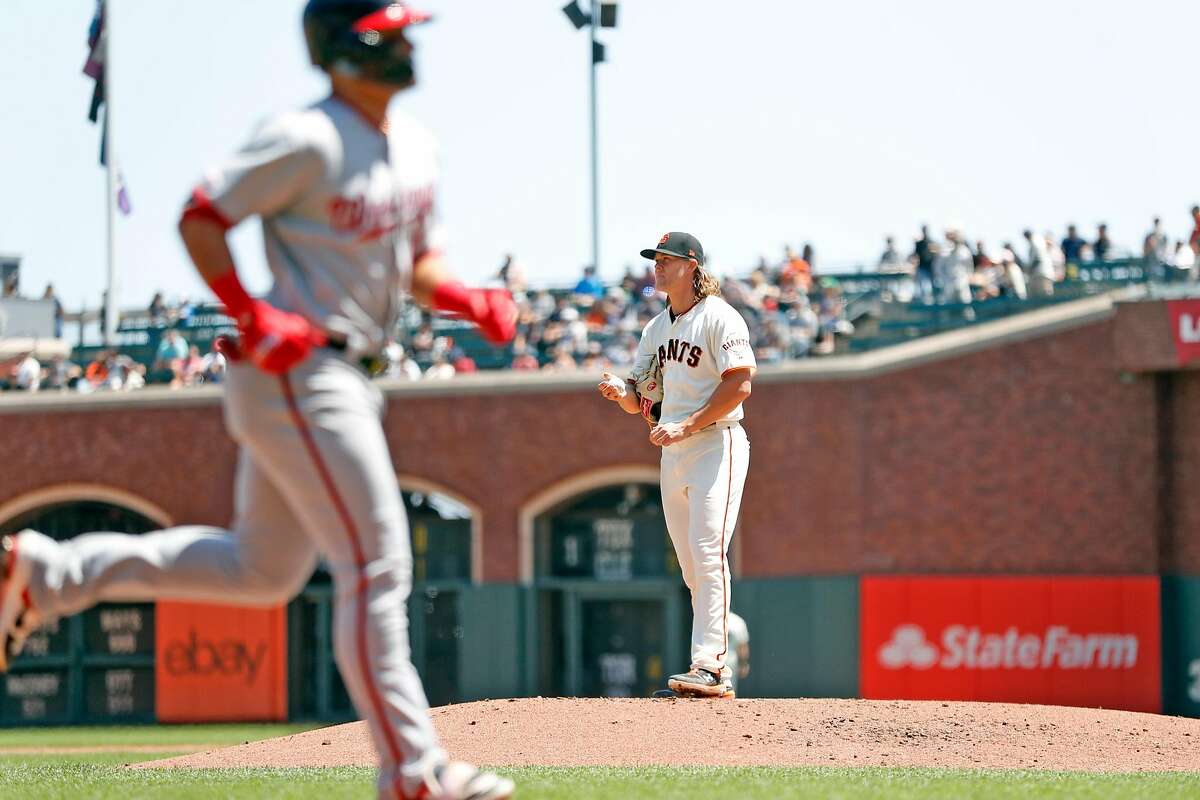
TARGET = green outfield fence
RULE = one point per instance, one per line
(1181, 645)
(497, 640)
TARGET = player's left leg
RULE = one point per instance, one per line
(715, 497)
(264, 560)
(317, 433)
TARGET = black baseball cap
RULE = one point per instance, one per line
(679, 244)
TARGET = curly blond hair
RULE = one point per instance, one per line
(704, 284)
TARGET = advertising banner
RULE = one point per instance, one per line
(220, 663)
(1185, 328)
(1066, 640)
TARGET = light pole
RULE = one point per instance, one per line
(603, 15)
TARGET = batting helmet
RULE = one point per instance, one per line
(347, 36)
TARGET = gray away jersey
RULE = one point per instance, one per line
(696, 350)
(346, 210)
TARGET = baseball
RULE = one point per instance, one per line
(612, 386)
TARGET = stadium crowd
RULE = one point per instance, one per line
(792, 311)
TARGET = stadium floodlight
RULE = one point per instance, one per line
(579, 18)
(599, 15)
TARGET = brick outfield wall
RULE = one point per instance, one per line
(1045, 455)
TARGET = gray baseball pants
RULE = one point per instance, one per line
(314, 477)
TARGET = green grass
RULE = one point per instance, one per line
(143, 735)
(103, 777)
(40, 779)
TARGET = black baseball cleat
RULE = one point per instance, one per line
(17, 618)
(698, 682)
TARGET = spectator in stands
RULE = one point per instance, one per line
(127, 374)
(27, 373)
(1183, 261)
(981, 258)
(621, 350)
(12, 284)
(523, 360)
(58, 309)
(925, 251)
(575, 332)
(158, 311)
(1057, 259)
(954, 267)
(794, 266)
(763, 293)
(422, 341)
(774, 341)
(561, 360)
(790, 293)
(986, 278)
(1072, 247)
(594, 360)
(1012, 278)
(61, 374)
(512, 275)
(400, 365)
(1156, 249)
(1194, 239)
(1102, 248)
(805, 326)
(809, 256)
(441, 368)
(172, 352)
(832, 315)
(463, 363)
(891, 260)
(589, 285)
(646, 284)
(1038, 266)
(191, 369)
(213, 368)
(96, 374)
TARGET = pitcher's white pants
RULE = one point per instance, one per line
(702, 480)
(314, 476)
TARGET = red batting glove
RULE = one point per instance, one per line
(278, 340)
(493, 310)
(274, 340)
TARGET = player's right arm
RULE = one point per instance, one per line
(623, 392)
(263, 178)
(619, 391)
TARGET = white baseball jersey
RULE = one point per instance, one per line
(346, 210)
(696, 350)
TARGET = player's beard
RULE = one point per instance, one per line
(400, 74)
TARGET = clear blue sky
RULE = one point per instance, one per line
(751, 124)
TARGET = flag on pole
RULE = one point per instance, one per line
(123, 202)
(94, 69)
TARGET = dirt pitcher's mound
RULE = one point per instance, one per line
(576, 732)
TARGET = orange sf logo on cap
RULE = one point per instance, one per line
(664, 239)
(692, 253)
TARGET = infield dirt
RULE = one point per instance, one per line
(634, 732)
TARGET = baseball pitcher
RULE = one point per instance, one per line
(692, 373)
(345, 192)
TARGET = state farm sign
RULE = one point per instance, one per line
(971, 648)
(1064, 640)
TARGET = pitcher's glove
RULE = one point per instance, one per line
(647, 383)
